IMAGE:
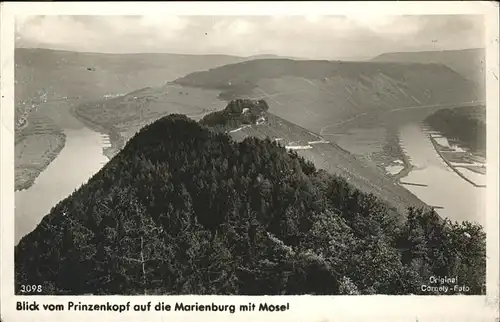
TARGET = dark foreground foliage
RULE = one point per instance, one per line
(460, 124)
(185, 210)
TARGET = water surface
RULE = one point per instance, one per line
(80, 158)
(460, 199)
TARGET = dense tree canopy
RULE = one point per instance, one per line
(183, 209)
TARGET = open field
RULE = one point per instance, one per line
(35, 152)
(332, 158)
(327, 108)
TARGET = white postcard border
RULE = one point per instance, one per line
(302, 308)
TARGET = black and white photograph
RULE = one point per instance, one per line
(250, 154)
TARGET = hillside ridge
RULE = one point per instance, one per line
(469, 62)
(73, 52)
(317, 94)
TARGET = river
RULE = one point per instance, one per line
(80, 159)
(444, 188)
(441, 186)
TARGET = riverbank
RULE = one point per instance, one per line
(433, 180)
(438, 149)
(80, 159)
(121, 116)
(37, 144)
(27, 171)
(116, 140)
(392, 155)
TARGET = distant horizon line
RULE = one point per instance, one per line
(152, 53)
(249, 56)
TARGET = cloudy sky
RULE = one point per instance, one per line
(321, 37)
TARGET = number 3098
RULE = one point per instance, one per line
(31, 288)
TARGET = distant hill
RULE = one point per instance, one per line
(353, 58)
(271, 56)
(48, 74)
(44, 74)
(470, 63)
(319, 94)
(50, 80)
(183, 209)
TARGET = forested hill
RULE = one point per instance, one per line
(186, 210)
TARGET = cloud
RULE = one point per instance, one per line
(313, 36)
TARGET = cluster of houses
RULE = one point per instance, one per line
(261, 119)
